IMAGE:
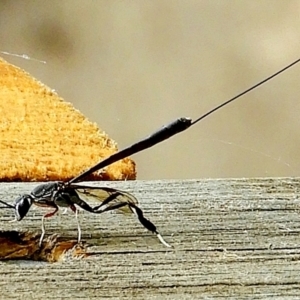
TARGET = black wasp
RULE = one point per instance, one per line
(70, 194)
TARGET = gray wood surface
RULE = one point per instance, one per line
(232, 239)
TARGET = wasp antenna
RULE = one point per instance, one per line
(7, 205)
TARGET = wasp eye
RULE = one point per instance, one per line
(22, 206)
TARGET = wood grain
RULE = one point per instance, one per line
(231, 238)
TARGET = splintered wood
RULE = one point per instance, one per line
(25, 245)
(232, 239)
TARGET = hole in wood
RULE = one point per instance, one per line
(25, 246)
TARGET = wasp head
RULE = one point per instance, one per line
(22, 205)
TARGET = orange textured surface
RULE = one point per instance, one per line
(45, 138)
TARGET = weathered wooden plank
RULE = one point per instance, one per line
(233, 239)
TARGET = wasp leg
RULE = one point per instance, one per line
(107, 200)
(74, 198)
(139, 213)
(76, 211)
(65, 211)
(112, 207)
(146, 223)
(43, 223)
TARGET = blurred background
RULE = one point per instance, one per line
(132, 66)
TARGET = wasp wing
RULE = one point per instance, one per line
(109, 197)
(113, 199)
